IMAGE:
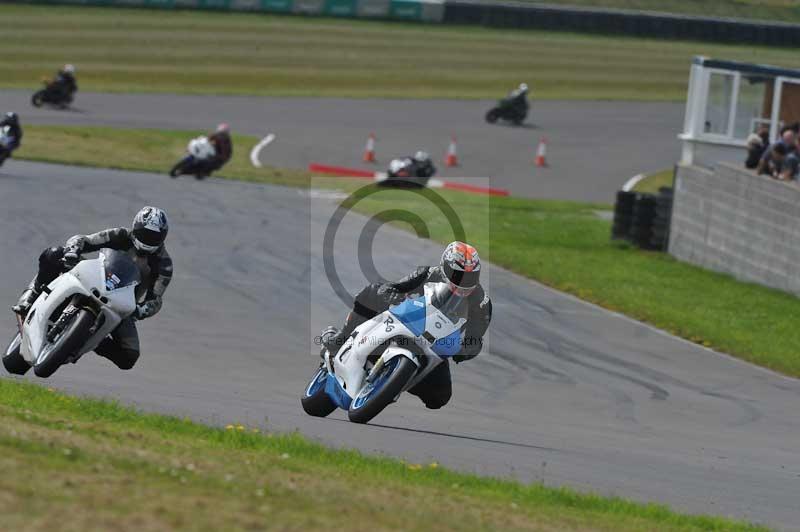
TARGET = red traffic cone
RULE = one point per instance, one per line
(451, 159)
(369, 149)
(541, 153)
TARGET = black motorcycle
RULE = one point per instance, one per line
(53, 95)
(512, 110)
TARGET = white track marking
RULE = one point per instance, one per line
(257, 149)
(630, 183)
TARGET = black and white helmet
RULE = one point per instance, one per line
(150, 227)
(12, 117)
(422, 157)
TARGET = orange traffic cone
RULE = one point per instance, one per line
(541, 153)
(369, 149)
(451, 159)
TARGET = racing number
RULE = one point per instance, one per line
(389, 321)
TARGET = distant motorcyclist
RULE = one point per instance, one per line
(410, 171)
(423, 164)
(144, 242)
(513, 107)
(223, 145)
(460, 267)
(65, 83)
(10, 135)
(519, 96)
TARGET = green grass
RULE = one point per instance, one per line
(775, 10)
(209, 52)
(81, 464)
(562, 244)
(652, 182)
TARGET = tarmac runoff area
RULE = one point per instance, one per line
(593, 146)
(565, 393)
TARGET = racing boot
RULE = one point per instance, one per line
(329, 341)
(333, 339)
(26, 300)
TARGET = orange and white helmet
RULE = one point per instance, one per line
(461, 265)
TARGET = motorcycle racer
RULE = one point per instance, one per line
(144, 242)
(460, 268)
(10, 120)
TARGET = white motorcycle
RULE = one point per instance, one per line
(199, 152)
(74, 314)
(388, 355)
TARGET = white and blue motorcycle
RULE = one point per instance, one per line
(388, 355)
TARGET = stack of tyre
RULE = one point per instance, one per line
(643, 219)
(660, 236)
(623, 215)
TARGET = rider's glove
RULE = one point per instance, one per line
(71, 258)
(392, 296)
(142, 312)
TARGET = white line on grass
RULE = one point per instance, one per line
(257, 149)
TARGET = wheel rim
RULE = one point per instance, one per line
(371, 388)
(317, 383)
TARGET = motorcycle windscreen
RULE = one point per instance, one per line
(120, 270)
(411, 313)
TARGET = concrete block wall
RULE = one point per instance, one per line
(733, 221)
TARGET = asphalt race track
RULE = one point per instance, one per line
(565, 393)
(593, 147)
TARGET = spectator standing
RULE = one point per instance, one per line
(756, 146)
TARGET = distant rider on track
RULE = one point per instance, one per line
(144, 242)
(223, 145)
(65, 83)
(12, 137)
(460, 267)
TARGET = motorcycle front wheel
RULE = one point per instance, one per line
(493, 115)
(66, 344)
(383, 389)
(315, 401)
(12, 359)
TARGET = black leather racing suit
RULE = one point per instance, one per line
(65, 85)
(436, 389)
(122, 348)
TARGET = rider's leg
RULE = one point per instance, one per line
(368, 304)
(50, 267)
(436, 389)
(122, 348)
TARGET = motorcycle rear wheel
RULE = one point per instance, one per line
(75, 334)
(315, 401)
(386, 387)
(12, 359)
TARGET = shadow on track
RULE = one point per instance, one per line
(457, 436)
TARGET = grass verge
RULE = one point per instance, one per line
(652, 182)
(80, 464)
(158, 51)
(559, 243)
(774, 10)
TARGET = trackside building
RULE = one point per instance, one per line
(725, 217)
